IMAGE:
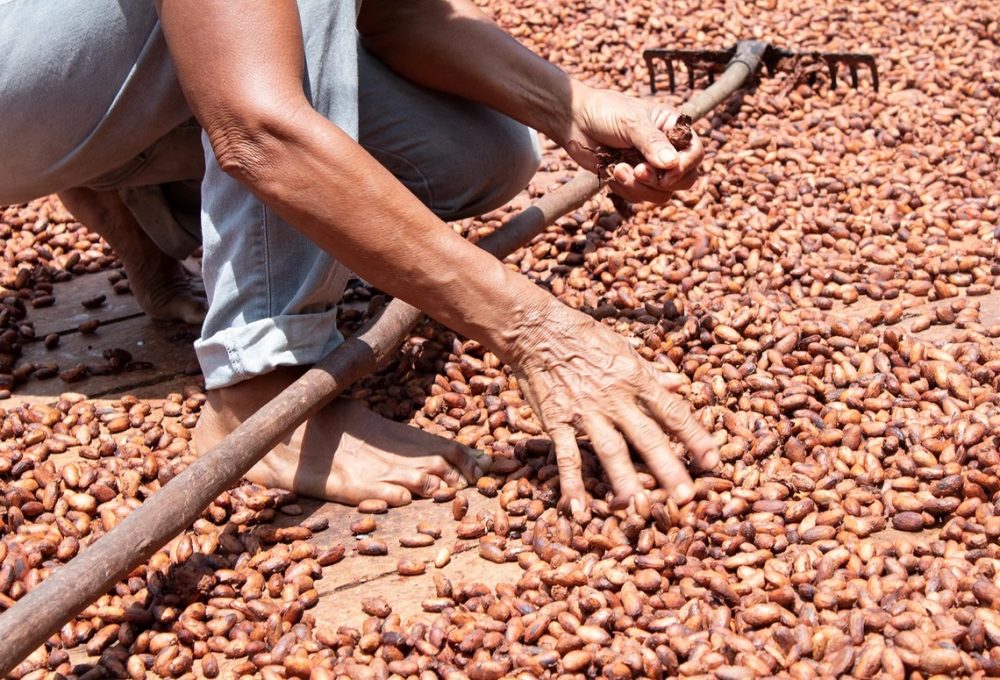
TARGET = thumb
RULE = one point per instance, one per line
(654, 145)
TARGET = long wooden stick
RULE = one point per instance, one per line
(72, 587)
(75, 585)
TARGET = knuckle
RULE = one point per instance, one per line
(676, 412)
(672, 467)
(609, 443)
(648, 431)
(568, 462)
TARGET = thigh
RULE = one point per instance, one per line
(84, 88)
(460, 158)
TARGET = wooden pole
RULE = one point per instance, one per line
(70, 588)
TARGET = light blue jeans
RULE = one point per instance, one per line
(272, 292)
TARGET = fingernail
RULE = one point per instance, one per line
(667, 157)
(684, 492)
(575, 506)
(711, 460)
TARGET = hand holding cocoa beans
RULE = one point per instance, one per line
(610, 119)
(582, 378)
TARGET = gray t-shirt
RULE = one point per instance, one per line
(85, 87)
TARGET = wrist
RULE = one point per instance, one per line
(516, 310)
(563, 125)
(530, 336)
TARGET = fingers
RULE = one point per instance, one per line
(682, 177)
(626, 185)
(662, 181)
(651, 442)
(652, 142)
(687, 181)
(665, 117)
(640, 184)
(675, 414)
(570, 467)
(670, 381)
(613, 453)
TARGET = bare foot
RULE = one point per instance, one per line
(160, 284)
(345, 453)
(164, 289)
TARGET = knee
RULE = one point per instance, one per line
(499, 164)
(523, 156)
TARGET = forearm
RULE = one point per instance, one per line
(376, 227)
(449, 45)
(266, 134)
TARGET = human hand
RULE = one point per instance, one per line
(602, 117)
(580, 377)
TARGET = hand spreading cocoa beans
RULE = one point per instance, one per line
(829, 289)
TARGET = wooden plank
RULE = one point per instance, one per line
(989, 311)
(68, 313)
(393, 525)
(405, 593)
(168, 347)
(345, 584)
(989, 306)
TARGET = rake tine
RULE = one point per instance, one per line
(717, 60)
(652, 71)
(870, 62)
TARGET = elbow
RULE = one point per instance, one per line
(241, 151)
(250, 145)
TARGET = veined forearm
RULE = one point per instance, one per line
(449, 45)
(386, 235)
(265, 133)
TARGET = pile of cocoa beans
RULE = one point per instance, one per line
(830, 290)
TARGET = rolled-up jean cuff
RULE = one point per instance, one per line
(236, 354)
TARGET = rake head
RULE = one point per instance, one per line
(805, 65)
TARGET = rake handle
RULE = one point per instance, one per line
(70, 588)
(745, 62)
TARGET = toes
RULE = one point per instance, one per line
(184, 308)
(421, 483)
(392, 494)
(338, 491)
(470, 462)
(189, 309)
(439, 467)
